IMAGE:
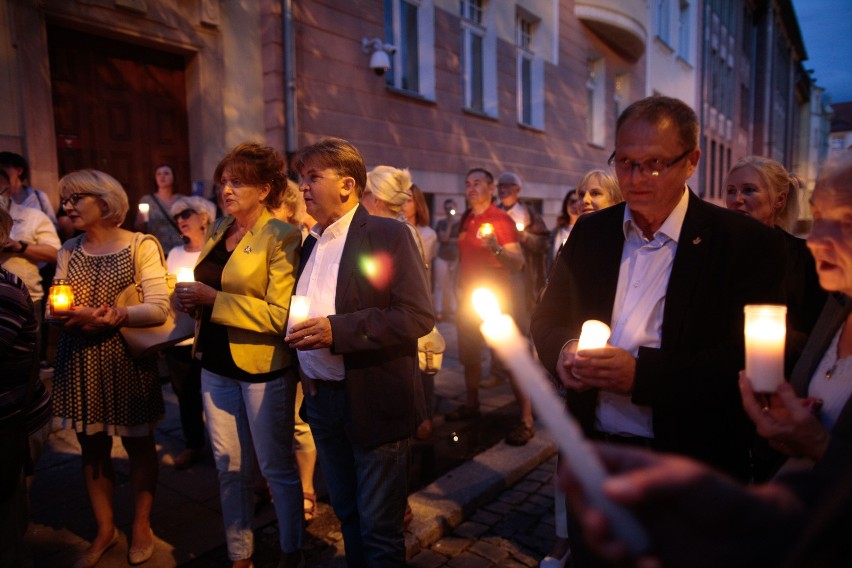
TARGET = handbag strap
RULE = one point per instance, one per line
(166, 214)
(138, 238)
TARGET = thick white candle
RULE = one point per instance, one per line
(299, 308)
(501, 333)
(144, 208)
(594, 335)
(185, 274)
(765, 333)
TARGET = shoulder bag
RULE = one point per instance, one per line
(178, 326)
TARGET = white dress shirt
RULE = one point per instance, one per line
(637, 313)
(319, 282)
(33, 227)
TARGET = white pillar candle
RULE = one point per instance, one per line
(594, 335)
(765, 333)
(144, 208)
(185, 274)
(502, 335)
(299, 308)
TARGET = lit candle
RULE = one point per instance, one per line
(185, 274)
(519, 226)
(144, 208)
(594, 335)
(485, 229)
(60, 297)
(299, 308)
(765, 333)
(452, 212)
(502, 335)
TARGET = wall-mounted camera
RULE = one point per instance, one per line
(380, 61)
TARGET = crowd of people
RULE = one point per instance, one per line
(677, 421)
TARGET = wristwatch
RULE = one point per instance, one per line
(23, 248)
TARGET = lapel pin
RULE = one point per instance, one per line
(247, 250)
(696, 240)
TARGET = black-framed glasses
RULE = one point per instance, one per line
(74, 198)
(652, 166)
(185, 214)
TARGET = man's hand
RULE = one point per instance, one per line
(788, 422)
(609, 368)
(565, 366)
(314, 333)
(690, 511)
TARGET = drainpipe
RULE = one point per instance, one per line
(290, 139)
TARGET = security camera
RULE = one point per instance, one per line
(380, 54)
(380, 62)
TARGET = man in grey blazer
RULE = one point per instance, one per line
(670, 274)
(357, 352)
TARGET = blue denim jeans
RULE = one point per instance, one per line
(244, 418)
(368, 487)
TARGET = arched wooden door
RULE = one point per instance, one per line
(119, 108)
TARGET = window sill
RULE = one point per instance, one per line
(686, 64)
(479, 114)
(409, 94)
(664, 44)
(530, 127)
(596, 145)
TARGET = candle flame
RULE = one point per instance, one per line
(185, 274)
(485, 303)
(519, 226)
(144, 207)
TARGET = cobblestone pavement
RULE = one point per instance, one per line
(492, 508)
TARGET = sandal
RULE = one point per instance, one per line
(310, 511)
(520, 435)
(462, 413)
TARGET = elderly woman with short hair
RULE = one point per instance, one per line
(99, 389)
(244, 278)
(193, 216)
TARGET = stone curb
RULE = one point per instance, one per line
(443, 505)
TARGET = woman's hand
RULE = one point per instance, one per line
(90, 320)
(191, 295)
(785, 420)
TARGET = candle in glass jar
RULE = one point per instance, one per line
(299, 309)
(765, 334)
(502, 335)
(60, 297)
(485, 229)
(185, 274)
(144, 208)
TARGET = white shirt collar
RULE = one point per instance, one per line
(670, 228)
(339, 227)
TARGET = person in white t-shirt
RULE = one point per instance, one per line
(192, 215)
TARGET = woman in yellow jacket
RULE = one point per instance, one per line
(244, 279)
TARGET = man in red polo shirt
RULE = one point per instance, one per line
(489, 252)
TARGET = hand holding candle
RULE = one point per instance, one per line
(299, 309)
(594, 335)
(185, 274)
(765, 334)
(502, 335)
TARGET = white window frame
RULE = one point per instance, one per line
(684, 33)
(425, 46)
(530, 88)
(596, 91)
(663, 20)
(480, 27)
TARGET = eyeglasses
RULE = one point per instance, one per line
(74, 198)
(185, 214)
(652, 166)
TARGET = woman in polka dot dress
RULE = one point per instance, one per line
(99, 390)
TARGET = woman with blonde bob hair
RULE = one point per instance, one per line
(99, 389)
(387, 190)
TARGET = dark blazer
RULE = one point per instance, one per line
(723, 261)
(837, 308)
(380, 315)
